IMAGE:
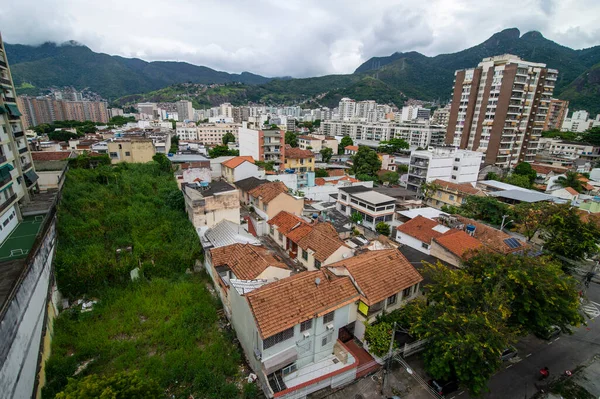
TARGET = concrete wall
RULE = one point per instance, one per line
(190, 175)
(23, 322)
(443, 254)
(289, 179)
(246, 170)
(411, 242)
(249, 142)
(49, 179)
(284, 202)
(9, 217)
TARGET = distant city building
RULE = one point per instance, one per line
(557, 113)
(346, 109)
(185, 112)
(267, 145)
(148, 110)
(112, 112)
(500, 107)
(579, 122)
(38, 110)
(441, 116)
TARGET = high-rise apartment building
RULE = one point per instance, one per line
(266, 145)
(38, 110)
(346, 109)
(500, 107)
(557, 113)
(441, 116)
(18, 179)
(148, 110)
(185, 111)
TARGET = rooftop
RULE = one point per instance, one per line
(237, 161)
(501, 185)
(464, 188)
(525, 196)
(246, 261)
(373, 197)
(225, 233)
(269, 191)
(428, 212)
(396, 192)
(297, 153)
(215, 187)
(249, 183)
(351, 148)
(303, 296)
(380, 274)
(355, 189)
(544, 169)
(458, 242)
(493, 238)
(179, 158)
(422, 228)
(286, 221)
(52, 155)
(323, 239)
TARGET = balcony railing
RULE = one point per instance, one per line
(3, 158)
(10, 99)
(5, 81)
(6, 180)
(7, 203)
(3, 64)
(18, 134)
(26, 166)
(22, 150)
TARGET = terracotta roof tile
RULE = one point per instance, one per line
(336, 172)
(268, 191)
(571, 191)
(323, 240)
(319, 181)
(464, 188)
(543, 169)
(351, 148)
(420, 228)
(237, 161)
(283, 304)
(50, 155)
(380, 274)
(298, 233)
(286, 221)
(491, 237)
(458, 242)
(246, 261)
(297, 153)
(587, 187)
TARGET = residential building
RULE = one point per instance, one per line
(148, 111)
(419, 232)
(246, 185)
(454, 247)
(567, 193)
(223, 234)
(132, 150)
(457, 166)
(388, 162)
(242, 262)
(209, 203)
(302, 163)
(350, 150)
(239, 168)
(386, 281)
(38, 110)
(312, 245)
(557, 112)
(289, 330)
(212, 133)
(579, 122)
(441, 116)
(189, 132)
(263, 145)
(185, 111)
(51, 167)
(500, 108)
(410, 113)
(564, 153)
(417, 134)
(271, 198)
(346, 109)
(316, 143)
(372, 206)
(451, 194)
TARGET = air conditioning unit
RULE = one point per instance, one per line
(306, 334)
(329, 327)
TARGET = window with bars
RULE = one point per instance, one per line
(306, 325)
(328, 318)
(277, 338)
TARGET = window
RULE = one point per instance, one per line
(326, 339)
(280, 236)
(343, 208)
(289, 369)
(328, 318)
(127, 154)
(306, 325)
(451, 197)
(392, 299)
(425, 245)
(344, 198)
(271, 230)
(406, 292)
(317, 264)
(279, 337)
(304, 255)
(265, 207)
(453, 177)
(114, 155)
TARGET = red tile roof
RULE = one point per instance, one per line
(297, 153)
(323, 240)
(420, 228)
(286, 221)
(351, 147)
(543, 169)
(283, 304)
(571, 191)
(336, 172)
(458, 242)
(380, 274)
(268, 191)
(237, 161)
(50, 155)
(491, 237)
(464, 188)
(246, 261)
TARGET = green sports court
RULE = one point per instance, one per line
(21, 239)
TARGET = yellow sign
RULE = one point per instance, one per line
(363, 308)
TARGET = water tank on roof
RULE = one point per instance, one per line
(470, 229)
(204, 184)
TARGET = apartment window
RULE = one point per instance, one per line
(343, 208)
(317, 264)
(455, 168)
(344, 198)
(114, 155)
(279, 337)
(280, 236)
(392, 299)
(453, 177)
(271, 230)
(328, 318)
(306, 325)
(304, 255)
(457, 159)
(452, 198)
(406, 292)
(425, 245)
(289, 369)
(127, 154)
(326, 339)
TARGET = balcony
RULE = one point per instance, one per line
(7, 179)
(8, 202)
(10, 99)
(3, 64)
(5, 81)
(22, 150)
(26, 166)
(18, 134)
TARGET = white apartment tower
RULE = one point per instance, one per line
(185, 111)
(346, 109)
(499, 108)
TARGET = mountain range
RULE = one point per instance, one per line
(390, 79)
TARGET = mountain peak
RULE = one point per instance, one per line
(534, 34)
(505, 35)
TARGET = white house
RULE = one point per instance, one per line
(419, 232)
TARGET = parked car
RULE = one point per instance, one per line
(550, 333)
(509, 353)
(444, 387)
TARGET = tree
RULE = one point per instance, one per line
(120, 385)
(228, 138)
(268, 166)
(316, 123)
(592, 136)
(488, 209)
(525, 169)
(392, 146)
(366, 162)
(402, 169)
(356, 218)
(326, 154)
(291, 139)
(378, 336)
(571, 179)
(389, 177)
(383, 228)
(344, 142)
(120, 120)
(163, 161)
(530, 217)
(428, 189)
(62, 135)
(222, 151)
(492, 176)
(321, 173)
(519, 180)
(174, 144)
(365, 177)
(567, 235)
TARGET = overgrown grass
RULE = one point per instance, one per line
(167, 329)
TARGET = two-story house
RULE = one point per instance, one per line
(386, 281)
(350, 150)
(239, 168)
(452, 194)
(207, 203)
(246, 185)
(288, 330)
(271, 198)
(313, 244)
(418, 233)
(244, 262)
(372, 206)
(388, 162)
(302, 163)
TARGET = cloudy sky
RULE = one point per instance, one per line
(290, 37)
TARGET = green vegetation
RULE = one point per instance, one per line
(321, 173)
(228, 138)
(555, 133)
(222, 151)
(80, 127)
(472, 314)
(344, 142)
(392, 146)
(389, 177)
(291, 139)
(119, 120)
(383, 228)
(366, 162)
(268, 166)
(487, 209)
(62, 135)
(571, 179)
(174, 144)
(326, 154)
(164, 326)
(378, 336)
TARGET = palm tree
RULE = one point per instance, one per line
(571, 179)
